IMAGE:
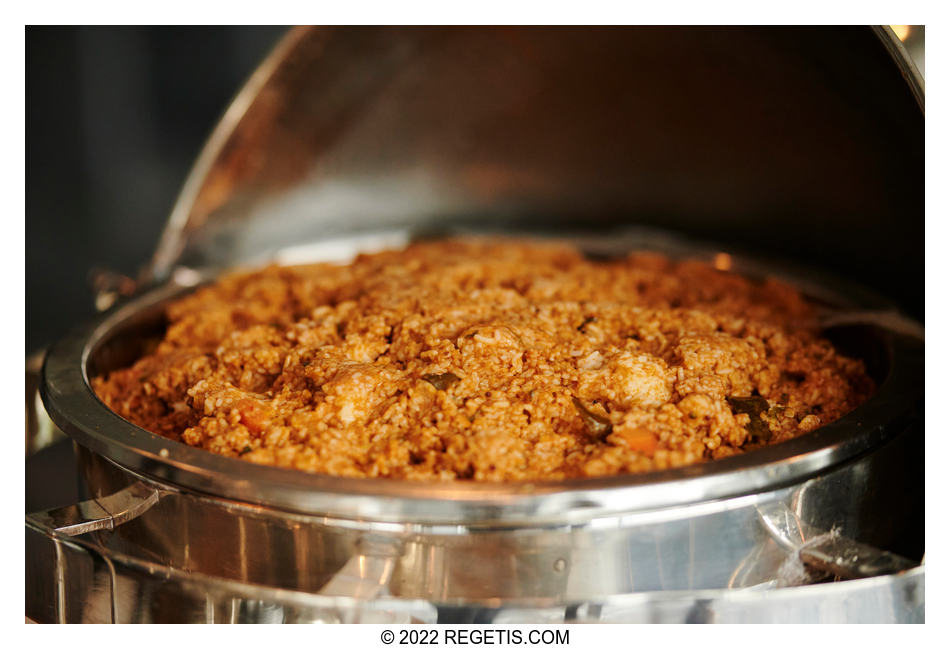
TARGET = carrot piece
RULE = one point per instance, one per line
(252, 415)
(638, 439)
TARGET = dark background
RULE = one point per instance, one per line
(114, 119)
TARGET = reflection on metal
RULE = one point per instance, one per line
(40, 430)
(366, 574)
(847, 559)
(109, 286)
(103, 513)
(137, 590)
(343, 130)
(206, 186)
(827, 552)
(901, 31)
(712, 562)
(908, 66)
(60, 577)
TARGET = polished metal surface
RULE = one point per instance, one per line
(537, 546)
(116, 337)
(103, 513)
(80, 579)
(40, 430)
(719, 544)
(904, 60)
(791, 141)
(825, 550)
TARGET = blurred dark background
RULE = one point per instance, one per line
(115, 116)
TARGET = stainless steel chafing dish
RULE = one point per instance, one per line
(346, 140)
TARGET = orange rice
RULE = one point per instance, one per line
(487, 360)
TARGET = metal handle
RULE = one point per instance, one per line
(825, 551)
(104, 513)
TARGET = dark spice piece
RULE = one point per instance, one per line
(597, 425)
(754, 407)
(441, 381)
(586, 322)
